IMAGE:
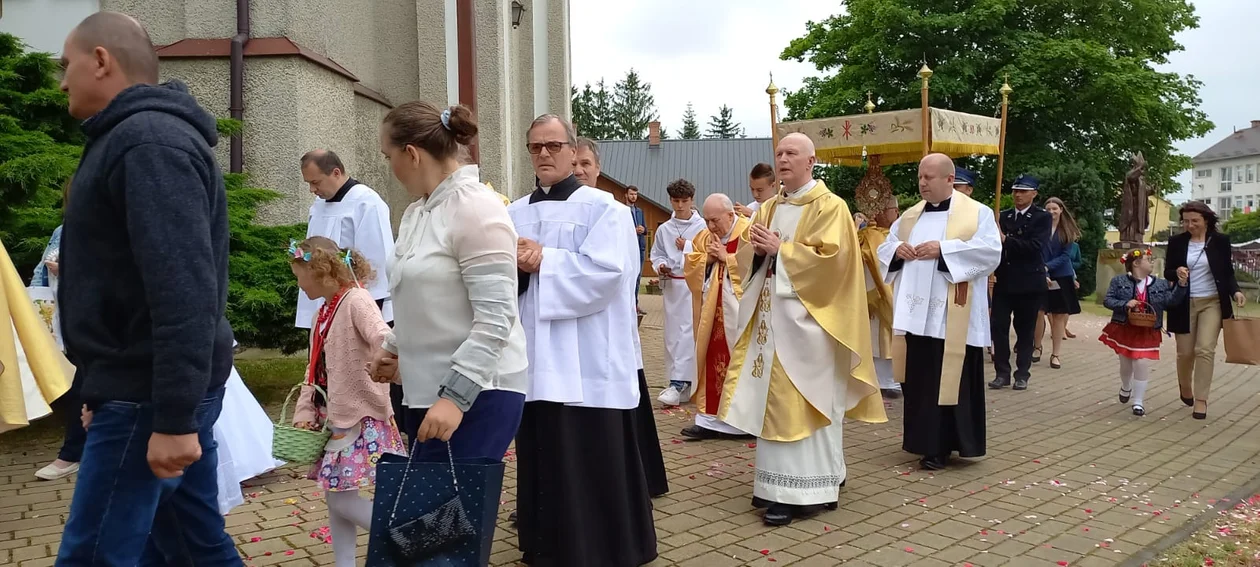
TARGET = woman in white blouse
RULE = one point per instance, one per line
(456, 347)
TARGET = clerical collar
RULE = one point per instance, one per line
(800, 189)
(558, 192)
(345, 188)
(939, 207)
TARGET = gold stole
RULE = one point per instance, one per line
(704, 307)
(879, 301)
(962, 224)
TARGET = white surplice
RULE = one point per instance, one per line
(680, 340)
(921, 291)
(360, 220)
(243, 435)
(808, 471)
(578, 311)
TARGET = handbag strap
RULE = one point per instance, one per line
(403, 484)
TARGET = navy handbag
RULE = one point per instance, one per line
(434, 514)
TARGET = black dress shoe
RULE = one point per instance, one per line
(1020, 385)
(512, 518)
(1139, 410)
(889, 393)
(934, 463)
(783, 514)
(1188, 401)
(1124, 397)
(999, 383)
(697, 433)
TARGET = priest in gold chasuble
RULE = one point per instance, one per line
(712, 271)
(938, 257)
(801, 364)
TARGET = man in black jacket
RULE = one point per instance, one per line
(143, 296)
(1021, 283)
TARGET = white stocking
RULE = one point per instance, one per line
(347, 512)
(1141, 371)
(1126, 374)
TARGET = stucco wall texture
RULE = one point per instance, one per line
(395, 47)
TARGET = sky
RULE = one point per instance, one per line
(715, 52)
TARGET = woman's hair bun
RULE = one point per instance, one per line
(463, 125)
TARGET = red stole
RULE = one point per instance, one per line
(718, 356)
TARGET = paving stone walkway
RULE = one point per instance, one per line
(1072, 478)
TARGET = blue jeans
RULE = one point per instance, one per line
(123, 515)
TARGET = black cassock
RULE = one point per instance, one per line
(581, 486)
(649, 442)
(934, 430)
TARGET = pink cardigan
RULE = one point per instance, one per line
(355, 333)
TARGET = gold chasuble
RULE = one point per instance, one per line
(820, 367)
(33, 371)
(962, 224)
(708, 313)
(879, 301)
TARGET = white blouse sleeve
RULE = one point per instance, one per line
(483, 241)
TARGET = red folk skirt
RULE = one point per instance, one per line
(1130, 341)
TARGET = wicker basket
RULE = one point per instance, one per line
(1142, 315)
(294, 445)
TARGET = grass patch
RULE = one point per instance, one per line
(270, 379)
(1232, 540)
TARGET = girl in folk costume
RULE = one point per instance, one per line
(345, 332)
(1133, 336)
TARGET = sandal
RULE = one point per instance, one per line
(1055, 363)
(1068, 333)
(1037, 354)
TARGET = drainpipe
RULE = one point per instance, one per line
(237, 103)
(466, 45)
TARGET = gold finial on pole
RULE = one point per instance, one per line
(1006, 91)
(774, 117)
(925, 73)
(870, 104)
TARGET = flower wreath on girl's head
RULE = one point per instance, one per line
(1134, 255)
(297, 253)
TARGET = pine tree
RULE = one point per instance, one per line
(633, 107)
(592, 112)
(664, 133)
(724, 125)
(690, 128)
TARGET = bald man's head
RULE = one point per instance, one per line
(936, 178)
(106, 53)
(794, 161)
(719, 214)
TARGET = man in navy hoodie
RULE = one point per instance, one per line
(144, 291)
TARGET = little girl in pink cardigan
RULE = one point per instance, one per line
(347, 329)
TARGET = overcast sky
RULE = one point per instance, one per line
(715, 52)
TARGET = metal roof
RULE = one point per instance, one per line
(717, 165)
(1243, 143)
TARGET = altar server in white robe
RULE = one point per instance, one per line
(803, 360)
(763, 186)
(582, 496)
(352, 215)
(938, 258)
(668, 256)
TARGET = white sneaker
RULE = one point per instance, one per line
(51, 472)
(670, 396)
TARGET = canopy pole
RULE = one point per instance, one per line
(925, 73)
(774, 118)
(1006, 93)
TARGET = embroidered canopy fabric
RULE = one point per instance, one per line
(897, 135)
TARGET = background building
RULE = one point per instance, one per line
(1227, 175)
(323, 73)
(712, 165)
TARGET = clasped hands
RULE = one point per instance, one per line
(528, 255)
(765, 242)
(716, 251)
(442, 418)
(926, 251)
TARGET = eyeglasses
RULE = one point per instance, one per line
(552, 147)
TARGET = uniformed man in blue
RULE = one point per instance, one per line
(964, 181)
(1021, 283)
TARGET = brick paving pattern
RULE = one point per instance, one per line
(1072, 478)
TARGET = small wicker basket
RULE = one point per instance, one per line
(1142, 315)
(295, 445)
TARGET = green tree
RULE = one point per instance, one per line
(1086, 88)
(690, 128)
(1081, 189)
(593, 111)
(633, 107)
(39, 148)
(724, 125)
(1243, 227)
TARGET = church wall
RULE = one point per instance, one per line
(429, 52)
(206, 80)
(523, 109)
(494, 92)
(372, 168)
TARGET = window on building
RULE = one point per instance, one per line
(1227, 179)
(1251, 173)
(1251, 201)
(1203, 173)
(1238, 174)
